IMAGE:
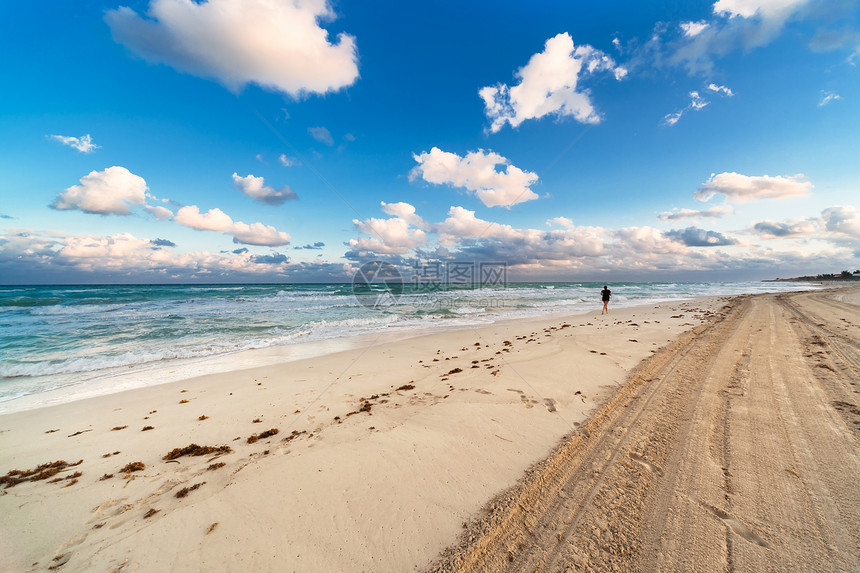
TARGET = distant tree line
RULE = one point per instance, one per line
(843, 276)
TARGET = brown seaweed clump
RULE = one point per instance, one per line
(186, 490)
(216, 466)
(133, 467)
(152, 511)
(195, 450)
(38, 473)
(147, 428)
(266, 434)
(294, 435)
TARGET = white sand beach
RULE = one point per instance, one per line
(382, 452)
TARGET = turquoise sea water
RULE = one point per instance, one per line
(57, 336)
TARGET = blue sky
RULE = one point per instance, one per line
(294, 140)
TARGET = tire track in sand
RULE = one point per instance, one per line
(723, 452)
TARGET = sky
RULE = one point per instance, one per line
(173, 141)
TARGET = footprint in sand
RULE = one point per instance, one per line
(526, 402)
(736, 525)
(647, 465)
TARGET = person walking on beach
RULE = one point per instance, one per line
(605, 294)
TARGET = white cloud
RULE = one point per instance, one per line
(765, 9)
(217, 220)
(287, 161)
(213, 220)
(691, 29)
(256, 188)
(321, 134)
(827, 97)
(462, 223)
(257, 234)
(509, 243)
(84, 143)
(843, 219)
(549, 85)
(736, 24)
(277, 45)
(108, 192)
(477, 173)
(648, 241)
(388, 236)
(720, 89)
(742, 188)
(697, 103)
(713, 212)
(671, 119)
(160, 213)
(560, 222)
(120, 255)
(404, 211)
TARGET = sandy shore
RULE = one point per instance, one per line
(382, 453)
(736, 448)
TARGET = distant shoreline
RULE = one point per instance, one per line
(816, 279)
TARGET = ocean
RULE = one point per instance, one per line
(55, 337)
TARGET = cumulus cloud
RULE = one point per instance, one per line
(212, 220)
(258, 234)
(774, 229)
(477, 173)
(404, 211)
(108, 192)
(121, 257)
(648, 241)
(256, 188)
(695, 237)
(827, 97)
(276, 45)
(217, 220)
(84, 143)
(321, 134)
(315, 247)
(394, 236)
(550, 85)
(519, 245)
(560, 222)
(713, 212)
(742, 188)
(159, 212)
(844, 220)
